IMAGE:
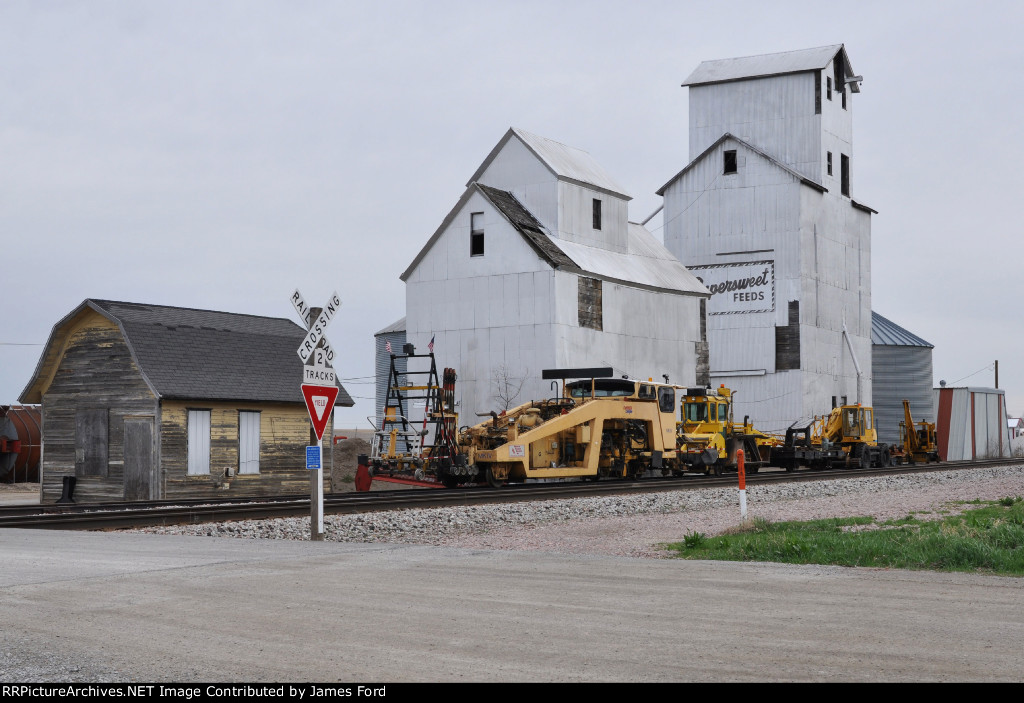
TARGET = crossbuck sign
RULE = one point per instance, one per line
(319, 385)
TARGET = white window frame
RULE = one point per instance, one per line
(198, 442)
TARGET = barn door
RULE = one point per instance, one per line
(139, 464)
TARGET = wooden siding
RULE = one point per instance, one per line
(284, 435)
(95, 374)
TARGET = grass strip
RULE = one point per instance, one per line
(985, 539)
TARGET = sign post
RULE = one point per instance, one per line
(319, 390)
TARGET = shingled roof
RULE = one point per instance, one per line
(185, 353)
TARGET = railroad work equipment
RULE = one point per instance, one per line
(598, 427)
(845, 438)
(416, 440)
(708, 438)
(917, 440)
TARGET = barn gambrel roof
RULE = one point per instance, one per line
(184, 353)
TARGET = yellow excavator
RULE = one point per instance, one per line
(917, 440)
(708, 438)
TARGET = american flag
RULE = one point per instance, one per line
(431, 345)
(387, 346)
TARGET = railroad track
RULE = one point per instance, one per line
(111, 516)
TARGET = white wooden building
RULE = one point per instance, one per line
(538, 267)
(764, 216)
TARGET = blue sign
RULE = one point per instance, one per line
(313, 458)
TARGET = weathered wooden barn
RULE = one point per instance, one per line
(765, 215)
(144, 402)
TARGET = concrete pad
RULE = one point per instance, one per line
(172, 608)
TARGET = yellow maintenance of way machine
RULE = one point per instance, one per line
(846, 438)
(709, 438)
(597, 427)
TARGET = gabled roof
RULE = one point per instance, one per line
(565, 162)
(185, 353)
(646, 263)
(528, 226)
(799, 176)
(513, 211)
(885, 332)
(765, 65)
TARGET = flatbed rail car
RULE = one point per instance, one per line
(598, 427)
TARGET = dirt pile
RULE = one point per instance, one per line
(346, 459)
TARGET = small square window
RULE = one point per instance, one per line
(476, 234)
(828, 163)
(730, 161)
(597, 214)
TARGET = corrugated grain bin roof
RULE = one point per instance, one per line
(396, 326)
(888, 333)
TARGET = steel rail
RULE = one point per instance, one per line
(157, 513)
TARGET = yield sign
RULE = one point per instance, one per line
(319, 402)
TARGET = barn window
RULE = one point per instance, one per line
(476, 234)
(844, 165)
(248, 442)
(597, 214)
(844, 97)
(828, 87)
(198, 442)
(730, 161)
(828, 161)
(817, 93)
(590, 314)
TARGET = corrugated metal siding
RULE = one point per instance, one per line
(900, 372)
(971, 423)
(773, 114)
(819, 244)
(382, 366)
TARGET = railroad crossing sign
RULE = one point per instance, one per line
(317, 328)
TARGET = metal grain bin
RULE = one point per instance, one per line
(901, 365)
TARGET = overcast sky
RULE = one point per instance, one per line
(220, 154)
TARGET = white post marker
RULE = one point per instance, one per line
(319, 390)
(742, 471)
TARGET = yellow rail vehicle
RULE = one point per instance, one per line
(709, 439)
(845, 438)
(917, 440)
(599, 427)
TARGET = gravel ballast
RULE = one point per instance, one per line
(638, 525)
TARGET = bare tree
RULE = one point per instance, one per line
(507, 386)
